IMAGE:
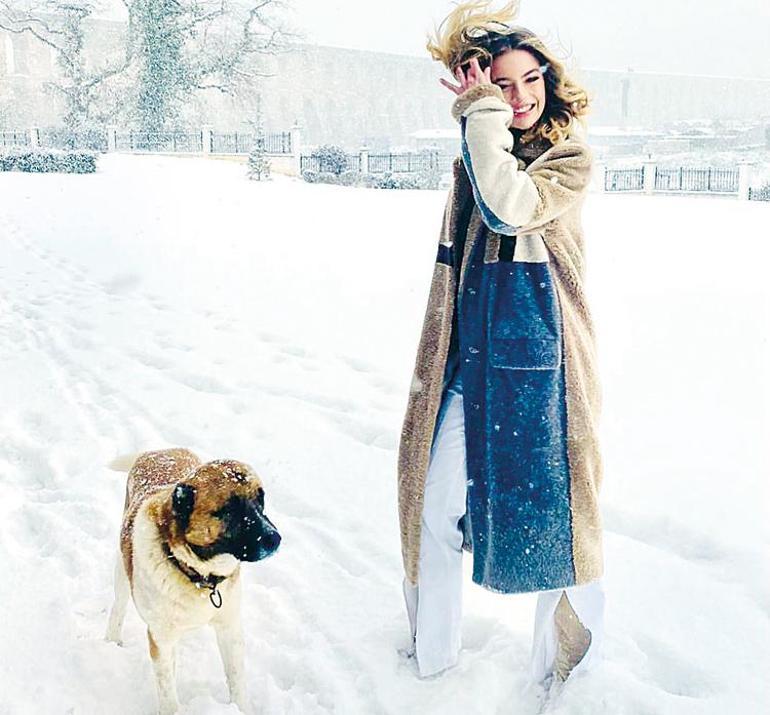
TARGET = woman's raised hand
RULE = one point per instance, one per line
(474, 76)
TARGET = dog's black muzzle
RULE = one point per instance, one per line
(261, 539)
(248, 534)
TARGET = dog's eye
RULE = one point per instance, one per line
(226, 510)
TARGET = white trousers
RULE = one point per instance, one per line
(434, 606)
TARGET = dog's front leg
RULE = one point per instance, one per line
(118, 613)
(230, 639)
(162, 652)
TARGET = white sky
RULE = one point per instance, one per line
(679, 36)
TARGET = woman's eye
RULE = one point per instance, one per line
(535, 78)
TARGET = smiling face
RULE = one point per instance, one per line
(519, 74)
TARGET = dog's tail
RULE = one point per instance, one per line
(124, 462)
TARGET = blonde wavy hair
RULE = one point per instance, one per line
(475, 29)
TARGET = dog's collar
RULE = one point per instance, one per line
(211, 581)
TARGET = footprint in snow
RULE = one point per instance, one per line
(202, 383)
(673, 670)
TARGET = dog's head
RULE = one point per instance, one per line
(221, 510)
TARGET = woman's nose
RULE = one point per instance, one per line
(516, 92)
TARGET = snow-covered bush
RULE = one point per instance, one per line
(422, 180)
(429, 179)
(760, 193)
(331, 159)
(348, 178)
(395, 181)
(48, 161)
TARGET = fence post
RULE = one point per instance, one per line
(363, 159)
(599, 177)
(296, 137)
(112, 138)
(745, 171)
(34, 138)
(649, 176)
(207, 139)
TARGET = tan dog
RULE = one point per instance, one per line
(186, 528)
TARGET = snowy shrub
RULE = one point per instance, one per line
(422, 180)
(48, 161)
(429, 179)
(395, 181)
(348, 178)
(331, 159)
(761, 193)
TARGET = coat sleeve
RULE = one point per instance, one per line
(510, 198)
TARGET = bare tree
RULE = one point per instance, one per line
(183, 46)
(172, 49)
(59, 24)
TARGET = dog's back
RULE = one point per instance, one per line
(150, 473)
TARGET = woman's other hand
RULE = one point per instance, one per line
(474, 76)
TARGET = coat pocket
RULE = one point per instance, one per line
(525, 353)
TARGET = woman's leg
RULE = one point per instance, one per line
(569, 631)
(434, 606)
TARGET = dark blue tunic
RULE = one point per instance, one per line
(506, 359)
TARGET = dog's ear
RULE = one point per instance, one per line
(183, 502)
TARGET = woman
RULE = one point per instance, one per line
(499, 446)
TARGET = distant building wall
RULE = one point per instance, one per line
(350, 97)
(655, 99)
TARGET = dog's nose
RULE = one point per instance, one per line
(270, 541)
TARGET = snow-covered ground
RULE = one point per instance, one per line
(172, 302)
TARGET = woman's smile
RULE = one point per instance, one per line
(524, 109)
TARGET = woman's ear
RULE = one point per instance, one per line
(182, 504)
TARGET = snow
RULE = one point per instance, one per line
(170, 301)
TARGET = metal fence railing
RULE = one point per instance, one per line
(88, 139)
(279, 143)
(316, 163)
(276, 144)
(13, 139)
(173, 142)
(624, 180)
(708, 180)
(403, 163)
(234, 143)
(244, 142)
(394, 163)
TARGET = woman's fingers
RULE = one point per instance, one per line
(482, 75)
(456, 90)
(475, 75)
(475, 70)
(460, 77)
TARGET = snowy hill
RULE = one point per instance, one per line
(168, 301)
